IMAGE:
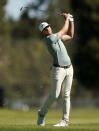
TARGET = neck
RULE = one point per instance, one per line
(47, 34)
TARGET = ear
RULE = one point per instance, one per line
(43, 33)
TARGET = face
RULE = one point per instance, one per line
(47, 31)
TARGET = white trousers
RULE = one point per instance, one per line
(61, 83)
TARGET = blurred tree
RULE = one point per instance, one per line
(22, 57)
(25, 28)
(3, 27)
(64, 6)
(1, 96)
(86, 58)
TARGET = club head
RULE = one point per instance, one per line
(21, 8)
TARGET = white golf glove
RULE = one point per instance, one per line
(71, 18)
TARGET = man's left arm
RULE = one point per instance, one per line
(70, 32)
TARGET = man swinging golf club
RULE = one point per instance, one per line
(62, 70)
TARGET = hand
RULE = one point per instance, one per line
(71, 18)
(66, 16)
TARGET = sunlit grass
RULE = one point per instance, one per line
(80, 120)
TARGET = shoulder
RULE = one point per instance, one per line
(52, 37)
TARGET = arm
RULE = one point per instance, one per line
(70, 32)
(64, 29)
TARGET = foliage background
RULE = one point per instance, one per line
(25, 63)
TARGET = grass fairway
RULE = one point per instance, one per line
(80, 120)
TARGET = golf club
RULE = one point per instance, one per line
(56, 11)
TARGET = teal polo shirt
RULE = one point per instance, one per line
(57, 50)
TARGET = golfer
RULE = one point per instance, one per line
(62, 70)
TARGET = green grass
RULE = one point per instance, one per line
(80, 120)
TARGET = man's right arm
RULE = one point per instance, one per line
(64, 29)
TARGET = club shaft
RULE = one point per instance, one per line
(57, 13)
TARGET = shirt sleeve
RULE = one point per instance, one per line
(53, 38)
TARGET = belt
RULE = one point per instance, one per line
(65, 67)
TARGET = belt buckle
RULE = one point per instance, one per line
(65, 67)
